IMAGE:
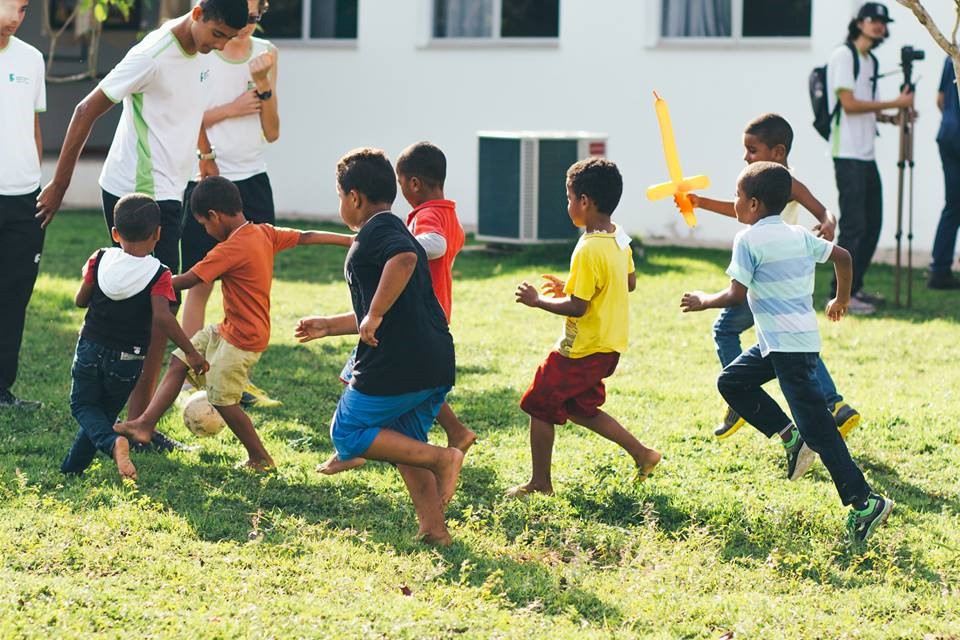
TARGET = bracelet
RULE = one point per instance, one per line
(210, 155)
(266, 95)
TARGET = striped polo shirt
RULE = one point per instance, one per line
(776, 261)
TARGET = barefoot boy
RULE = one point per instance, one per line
(405, 360)
(126, 291)
(243, 261)
(421, 172)
(569, 383)
(773, 269)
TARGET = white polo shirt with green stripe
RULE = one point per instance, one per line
(162, 90)
(22, 95)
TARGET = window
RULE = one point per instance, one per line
(311, 20)
(735, 19)
(61, 10)
(496, 19)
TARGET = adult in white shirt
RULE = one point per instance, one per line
(161, 82)
(22, 97)
(852, 141)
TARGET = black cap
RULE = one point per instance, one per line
(874, 11)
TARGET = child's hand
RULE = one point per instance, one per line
(692, 197)
(260, 67)
(827, 229)
(311, 328)
(197, 363)
(837, 309)
(692, 301)
(553, 286)
(368, 329)
(527, 294)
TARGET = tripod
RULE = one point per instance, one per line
(904, 162)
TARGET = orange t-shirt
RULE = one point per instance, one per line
(244, 264)
(440, 216)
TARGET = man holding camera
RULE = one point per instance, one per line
(852, 83)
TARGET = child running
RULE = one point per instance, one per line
(126, 291)
(421, 172)
(405, 359)
(243, 261)
(593, 300)
(773, 268)
(768, 138)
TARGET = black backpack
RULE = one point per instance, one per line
(823, 119)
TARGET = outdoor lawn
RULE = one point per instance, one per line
(717, 544)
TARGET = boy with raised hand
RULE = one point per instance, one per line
(243, 262)
(23, 98)
(768, 138)
(773, 268)
(593, 300)
(126, 292)
(405, 359)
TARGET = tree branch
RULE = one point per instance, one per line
(924, 18)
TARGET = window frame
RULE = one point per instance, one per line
(305, 40)
(495, 40)
(736, 39)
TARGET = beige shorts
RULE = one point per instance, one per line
(229, 367)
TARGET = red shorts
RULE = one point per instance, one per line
(569, 386)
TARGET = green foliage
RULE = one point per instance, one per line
(716, 542)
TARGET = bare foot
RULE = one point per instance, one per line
(464, 441)
(121, 455)
(135, 430)
(646, 463)
(449, 474)
(261, 466)
(522, 490)
(434, 538)
(335, 465)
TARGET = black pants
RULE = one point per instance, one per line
(167, 250)
(861, 213)
(21, 243)
(257, 197)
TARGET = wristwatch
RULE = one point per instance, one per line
(212, 155)
(266, 95)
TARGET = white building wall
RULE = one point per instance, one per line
(393, 86)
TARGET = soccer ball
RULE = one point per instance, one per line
(200, 417)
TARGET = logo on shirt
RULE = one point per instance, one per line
(204, 74)
(14, 78)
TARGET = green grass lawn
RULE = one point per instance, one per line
(717, 541)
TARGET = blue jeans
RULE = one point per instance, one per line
(945, 241)
(733, 321)
(102, 380)
(740, 384)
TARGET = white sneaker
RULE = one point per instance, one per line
(860, 308)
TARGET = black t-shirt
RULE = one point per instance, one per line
(415, 350)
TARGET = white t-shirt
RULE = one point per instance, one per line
(23, 94)
(239, 141)
(163, 92)
(856, 134)
(791, 212)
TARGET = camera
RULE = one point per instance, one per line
(908, 55)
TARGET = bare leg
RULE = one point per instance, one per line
(141, 428)
(605, 425)
(422, 485)
(195, 306)
(444, 462)
(242, 427)
(335, 465)
(541, 453)
(143, 392)
(121, 455)
(458, 436)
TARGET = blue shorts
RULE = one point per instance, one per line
(359, 418)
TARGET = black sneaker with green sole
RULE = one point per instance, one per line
(862, 523)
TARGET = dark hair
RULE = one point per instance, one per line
(136, 217)
(425, 161)
(598, 179)
(233, 13)
(768, 182)
(369, 172)
(772, 129)
(216, 193)
(853, 32)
